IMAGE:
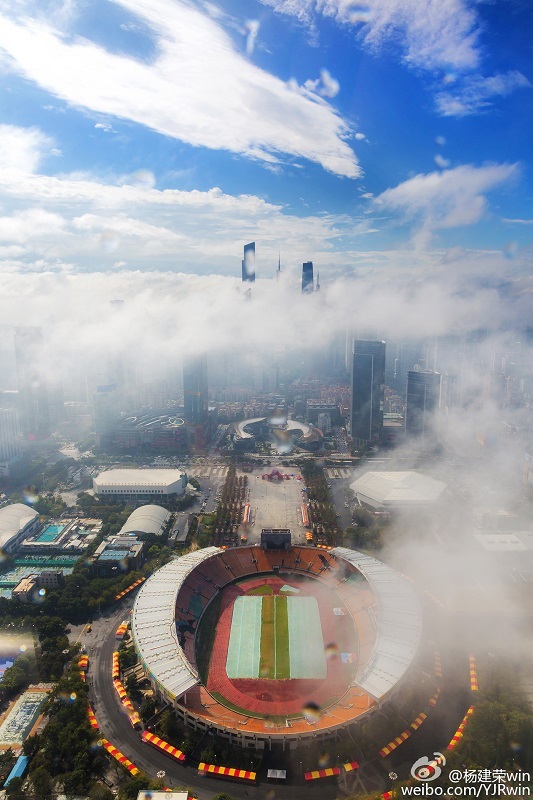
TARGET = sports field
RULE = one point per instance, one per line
(276, 637)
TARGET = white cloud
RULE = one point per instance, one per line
(196, 78)
(326, 85)
(105, 127)
(476, 93)
(449, 297)
(23, 148)
(81, 220)
(252, 26)
(33, 224)
(441, 162)
(435, 34)
(446, 199)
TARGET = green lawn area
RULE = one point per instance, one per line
(274, 660)
(283, 663)
(261, 590)
(267, 656)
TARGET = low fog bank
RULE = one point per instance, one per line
(157, 317)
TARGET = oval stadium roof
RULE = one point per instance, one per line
(146, 519)
(13, 519)
(398, 624)
(154, 629)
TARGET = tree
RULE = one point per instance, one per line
(148, 709)
(15, 790)
(42, 783)
(131, 684)
(14, 680)
(101, 792)
(166, 724)
(223, 796)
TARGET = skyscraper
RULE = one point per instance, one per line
(307, 277)
(33, 394)
(368, 379)
(195, 389)
(9, 434)
(248, 263)
(423, 399)
(10, 442)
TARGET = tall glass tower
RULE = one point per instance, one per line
(368, 380)
(195, 398)
(248, 263)
(307, 277)
(423, 399)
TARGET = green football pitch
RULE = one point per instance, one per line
(275, 637)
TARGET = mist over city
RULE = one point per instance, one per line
(266, 392)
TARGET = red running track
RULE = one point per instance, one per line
(284, 697)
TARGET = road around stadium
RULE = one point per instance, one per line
(115, 726)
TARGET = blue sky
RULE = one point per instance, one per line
(390, 136)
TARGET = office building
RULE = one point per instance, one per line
(9, 434)
(10, 442)
(195, 389)
(116, 555)
(33, 394)
(423, 400)
(324, 422)
(307, 277)
(248, 263)
(107, 405)
(368, 380)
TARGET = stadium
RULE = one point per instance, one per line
(275, 642)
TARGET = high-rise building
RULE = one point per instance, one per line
(195, 389)
(108, 404)
(9, 434)
(307, 277)
(33, 394)
(423, 400)
(368, 382)
(248, 263)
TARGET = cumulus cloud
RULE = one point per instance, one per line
(80, 219)
(23, 148)
(196, 76)
(447, 199)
